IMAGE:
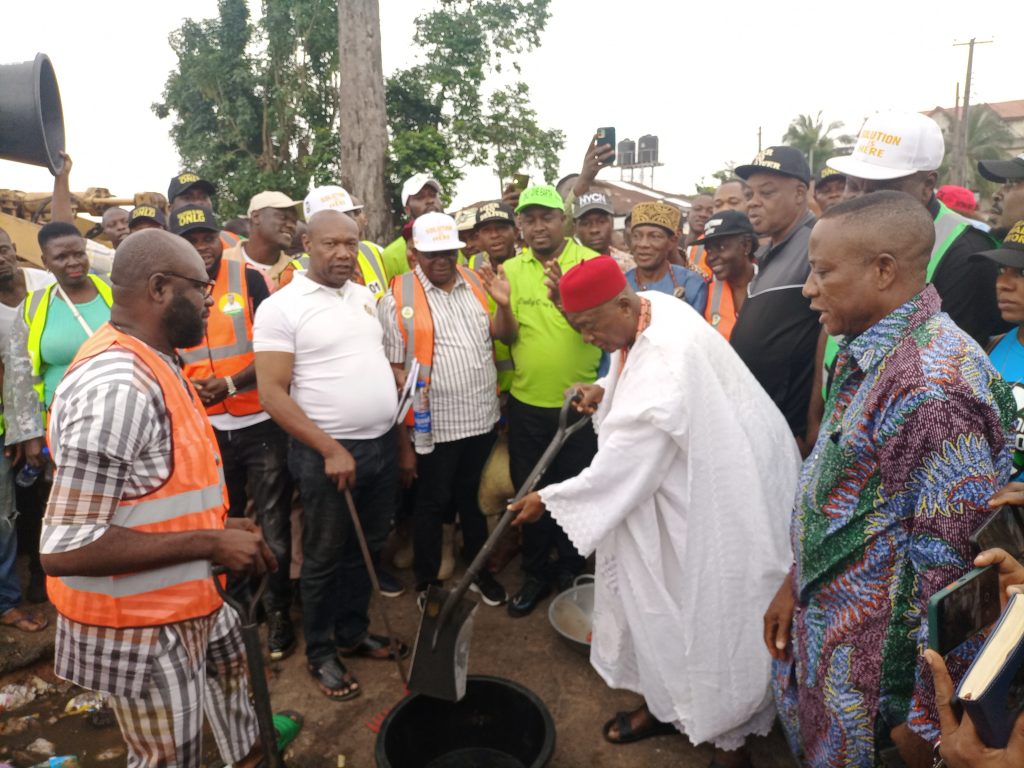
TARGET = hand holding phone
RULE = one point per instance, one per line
(966, 606)
(604, 146)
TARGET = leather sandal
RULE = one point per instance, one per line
(623, 721)
(334, 679)
(374, 647)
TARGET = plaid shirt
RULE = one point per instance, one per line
(110, 436)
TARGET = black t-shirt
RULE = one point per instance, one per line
(776, 333)
(968, 288)
(257, 287)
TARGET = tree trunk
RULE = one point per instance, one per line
(363, 120)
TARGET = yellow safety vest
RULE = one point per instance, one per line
(371, 265)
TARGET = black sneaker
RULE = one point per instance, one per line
(490, 591)
(390, 586)
(280, 635)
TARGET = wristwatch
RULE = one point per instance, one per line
(232, 389)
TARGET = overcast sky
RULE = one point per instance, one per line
(701, 76)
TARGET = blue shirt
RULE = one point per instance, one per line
(1008, 358)
(695, 289)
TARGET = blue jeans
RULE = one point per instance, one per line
(335, 584)
(10, 586)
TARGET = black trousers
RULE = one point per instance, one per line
(530, 430)
(449, 481)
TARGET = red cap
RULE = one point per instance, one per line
(957, 198)
(590, 284)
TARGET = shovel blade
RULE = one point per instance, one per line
(439, 669)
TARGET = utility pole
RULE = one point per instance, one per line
(960, 170)
(759, 139)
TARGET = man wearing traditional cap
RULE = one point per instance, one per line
(776, 331)
(686, 558)
(146, 217)
(654, 229)
(730, 245)
(272, 217)
(1007, 203)
(549, 357)
(594, 224)
(420, 194)
(438, 315)
(829, 188)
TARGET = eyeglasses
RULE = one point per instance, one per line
(206, 286)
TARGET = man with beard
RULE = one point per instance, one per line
(654, 228)
(49, 327)
(15, 283)
(1008, 201)
(272, 219)
(135, 524)
(420, 194)
(254, 449)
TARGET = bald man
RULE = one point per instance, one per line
(136, 522)
(318, 336)
(915, 442)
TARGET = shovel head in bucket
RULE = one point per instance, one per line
(440, 660)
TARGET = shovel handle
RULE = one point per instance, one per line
(565, 430)
(246, 612)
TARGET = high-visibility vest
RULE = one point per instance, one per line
(193, 499)
(698, 258)
(371, 268)
(478, 260)
(948, 226)
(415, 321)
(228, 346)
(720, 310)
(37, 307)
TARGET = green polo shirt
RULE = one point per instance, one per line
(395, 260)
(549, 355)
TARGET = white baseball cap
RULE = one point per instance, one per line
(415, 184)
(271, 200)
(328, 198)
(893, 145)
(435, 232)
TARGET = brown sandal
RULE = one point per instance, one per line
(24, 621)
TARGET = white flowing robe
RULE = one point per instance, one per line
(687, 504)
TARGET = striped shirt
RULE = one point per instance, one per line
(463, 379)
(111, 439)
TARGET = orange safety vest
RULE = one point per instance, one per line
(720, 310)
(698, 258)
(416, 324)
(228, 346)
(193, 499)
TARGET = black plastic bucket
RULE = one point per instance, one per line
(498, 724)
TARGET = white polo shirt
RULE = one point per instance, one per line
(341, 377)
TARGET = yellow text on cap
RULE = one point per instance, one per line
(191, 217)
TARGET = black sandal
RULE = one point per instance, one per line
(627, 735)
(334, 679)
(377, 647)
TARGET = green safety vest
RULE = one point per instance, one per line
(37, 307)
(370, 264)
(948, 226)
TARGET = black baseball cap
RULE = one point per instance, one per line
(496, 210)
(1011, 254)
(594, 200)
(142, 213)
(184, 181)
(727, 222)
(1002, 171)
(828, 174)
(191, 218)
(783, 160)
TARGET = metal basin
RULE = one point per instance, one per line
(571, 613)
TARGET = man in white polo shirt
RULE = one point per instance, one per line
(323, 376)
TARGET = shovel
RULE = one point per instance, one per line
(440, 658)
(257, 672)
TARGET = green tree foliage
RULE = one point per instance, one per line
(987, 137)
(814, 138)
(442, 116)
(254, 104)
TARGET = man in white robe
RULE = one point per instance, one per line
(687, 506)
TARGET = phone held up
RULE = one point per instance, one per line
(606, 136)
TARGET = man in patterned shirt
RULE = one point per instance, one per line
(916, 441)
(134, 499)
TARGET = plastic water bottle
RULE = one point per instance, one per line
(28, 474)
(423, 433)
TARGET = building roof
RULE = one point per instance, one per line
(625, 194)
(1007, 110)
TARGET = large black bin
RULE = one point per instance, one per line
(498, 724)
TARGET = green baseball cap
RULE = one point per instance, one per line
(542, 195)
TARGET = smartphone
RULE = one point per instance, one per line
(520, 181)
(1003, 529)
(966, 606)
(607, 136)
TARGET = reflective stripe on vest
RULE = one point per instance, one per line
(228, 346)
(192, 499)
(37, 308)
(696, 255)
(948, 227)
(370, 266)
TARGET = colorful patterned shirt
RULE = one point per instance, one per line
(918, 438)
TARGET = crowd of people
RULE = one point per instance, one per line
(804, 392)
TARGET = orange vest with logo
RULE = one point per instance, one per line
(193, 499)
(416, 323)
(228, 346)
